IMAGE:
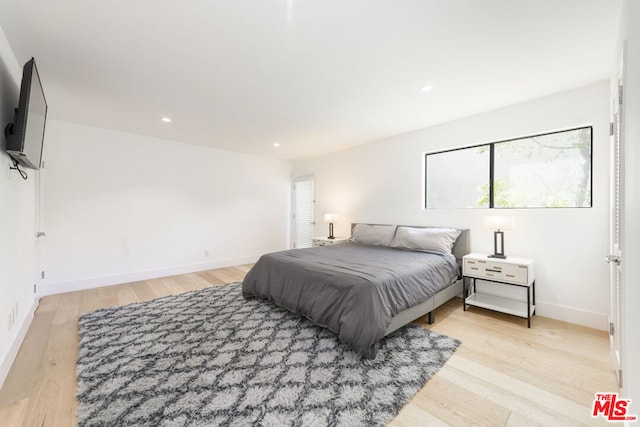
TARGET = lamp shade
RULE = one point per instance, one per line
(499, 222)
(330, 217)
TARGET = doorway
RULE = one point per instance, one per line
(303, 212)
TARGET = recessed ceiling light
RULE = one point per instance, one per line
(276, 144)
(166, 119)
(426, 88)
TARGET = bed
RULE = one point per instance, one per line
(383, 278)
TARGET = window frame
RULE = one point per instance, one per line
(491, 177)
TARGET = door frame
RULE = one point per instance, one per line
(617, 221)
(294, 231)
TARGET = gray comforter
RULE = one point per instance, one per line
(353, 290)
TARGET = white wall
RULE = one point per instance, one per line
(17, 211)
(630, 32)
(120, 207)
(382, 182)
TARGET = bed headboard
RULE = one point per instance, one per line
(461, 247)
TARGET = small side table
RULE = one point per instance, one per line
(511, 271)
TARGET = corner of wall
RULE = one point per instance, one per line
(6, 360)
(573, 315)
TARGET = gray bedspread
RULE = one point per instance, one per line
(353, 290)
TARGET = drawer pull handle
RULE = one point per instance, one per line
(511, 275)
(522, 266)
(475, 268)
(493, 271)
(471, 262)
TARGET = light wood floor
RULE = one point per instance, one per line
(503, 374)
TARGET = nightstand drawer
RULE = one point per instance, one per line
(473, 267)
(496, 270)
(515, 273)
(325, 241)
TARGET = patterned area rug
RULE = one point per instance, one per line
(210, 357)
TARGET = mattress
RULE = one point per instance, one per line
(351, 289)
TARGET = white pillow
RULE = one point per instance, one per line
(367, 234)
(426, 239)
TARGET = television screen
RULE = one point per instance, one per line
(25, 136)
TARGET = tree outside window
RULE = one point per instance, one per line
(543, 171)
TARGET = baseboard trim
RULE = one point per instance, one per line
(573, 315)
(14, 346)
(555, 311)
(46, 289)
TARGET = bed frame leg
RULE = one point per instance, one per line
(431, 318)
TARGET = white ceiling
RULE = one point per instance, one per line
(315, 76)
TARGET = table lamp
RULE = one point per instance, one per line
(330, 217)
(498, 223)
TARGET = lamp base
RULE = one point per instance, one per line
(331, 237)
(498, 245)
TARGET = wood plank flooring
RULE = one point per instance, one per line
(503, 374)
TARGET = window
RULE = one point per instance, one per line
(450, 184)
(551, 170)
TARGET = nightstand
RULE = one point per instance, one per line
(324, 241)
(511, 271)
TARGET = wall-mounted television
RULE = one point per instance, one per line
(25, 136)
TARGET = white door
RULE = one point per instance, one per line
(616, 220)
(303, 201)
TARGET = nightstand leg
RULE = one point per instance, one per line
(533, 286)
(464, 293)
(528, 308)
